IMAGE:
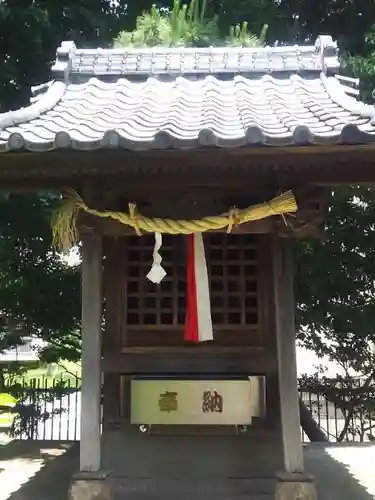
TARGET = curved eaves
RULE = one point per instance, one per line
(45, 103)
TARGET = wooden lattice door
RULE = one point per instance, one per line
(154, 315)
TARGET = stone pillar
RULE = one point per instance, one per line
(293, 483)
(90, 486)
(90, 482)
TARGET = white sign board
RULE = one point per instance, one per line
(194, 402)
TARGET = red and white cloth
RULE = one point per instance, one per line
(198, 325)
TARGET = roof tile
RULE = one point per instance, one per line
(186, 98)
(75, 64)
(185, 114)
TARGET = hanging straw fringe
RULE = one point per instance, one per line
(64, 222)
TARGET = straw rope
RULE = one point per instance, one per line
(65, 233)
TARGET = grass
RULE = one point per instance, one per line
(4, 440)
(43, 377)
(6, 419)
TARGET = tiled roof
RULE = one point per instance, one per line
(197, 61)
(172, 98)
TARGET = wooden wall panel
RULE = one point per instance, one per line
(115, 292)
(154, 315)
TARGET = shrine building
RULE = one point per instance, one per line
(187, 175)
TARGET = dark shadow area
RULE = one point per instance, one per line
(332, 466)
(59, 462)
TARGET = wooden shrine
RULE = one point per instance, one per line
(187, 134)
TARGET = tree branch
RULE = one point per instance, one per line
(68, 371)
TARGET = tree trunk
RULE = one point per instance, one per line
(308, 424)
(2, 380)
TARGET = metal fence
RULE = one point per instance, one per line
(336, 420)
(50, 409)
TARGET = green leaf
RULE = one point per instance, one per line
(7, 400)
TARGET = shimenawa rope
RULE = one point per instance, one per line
(64, 221)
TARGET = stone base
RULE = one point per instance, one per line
(295, 487)
(90, 486)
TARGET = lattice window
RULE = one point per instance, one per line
(150, 304)
(233, 279)
(232, 265)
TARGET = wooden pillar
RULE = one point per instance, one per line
(293, 483)
(115, 314)
(90, 459)
(286, 354)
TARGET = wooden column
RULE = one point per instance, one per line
(286, 354)
(90, 460)
(115, 314)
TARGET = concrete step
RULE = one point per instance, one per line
(193, 488)
(188, 496)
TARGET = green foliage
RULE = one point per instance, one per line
(239, 36)
(7, 400)
(152, 28)
(39, 294)
(7, 404)
(31, 399)
(362, 66)
(30, 31)
(33, 402)
(255, 13)
(345, 20)
(38, 291)
(335, 282)
(185, 25)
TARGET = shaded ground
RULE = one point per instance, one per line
(342, 472)
(37, 470)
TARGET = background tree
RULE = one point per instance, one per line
(345, 20)
(38, 291)
(338, 302)
(336, 305)
(39, 296)
(336, 276)
(40, 26)
(256, 14)
(186, 25)
(33, 279)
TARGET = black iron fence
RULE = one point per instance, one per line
(50, 409)
(46, 408)
(343, 411)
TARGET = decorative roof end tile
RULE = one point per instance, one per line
(328, 51)
(63, 64)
